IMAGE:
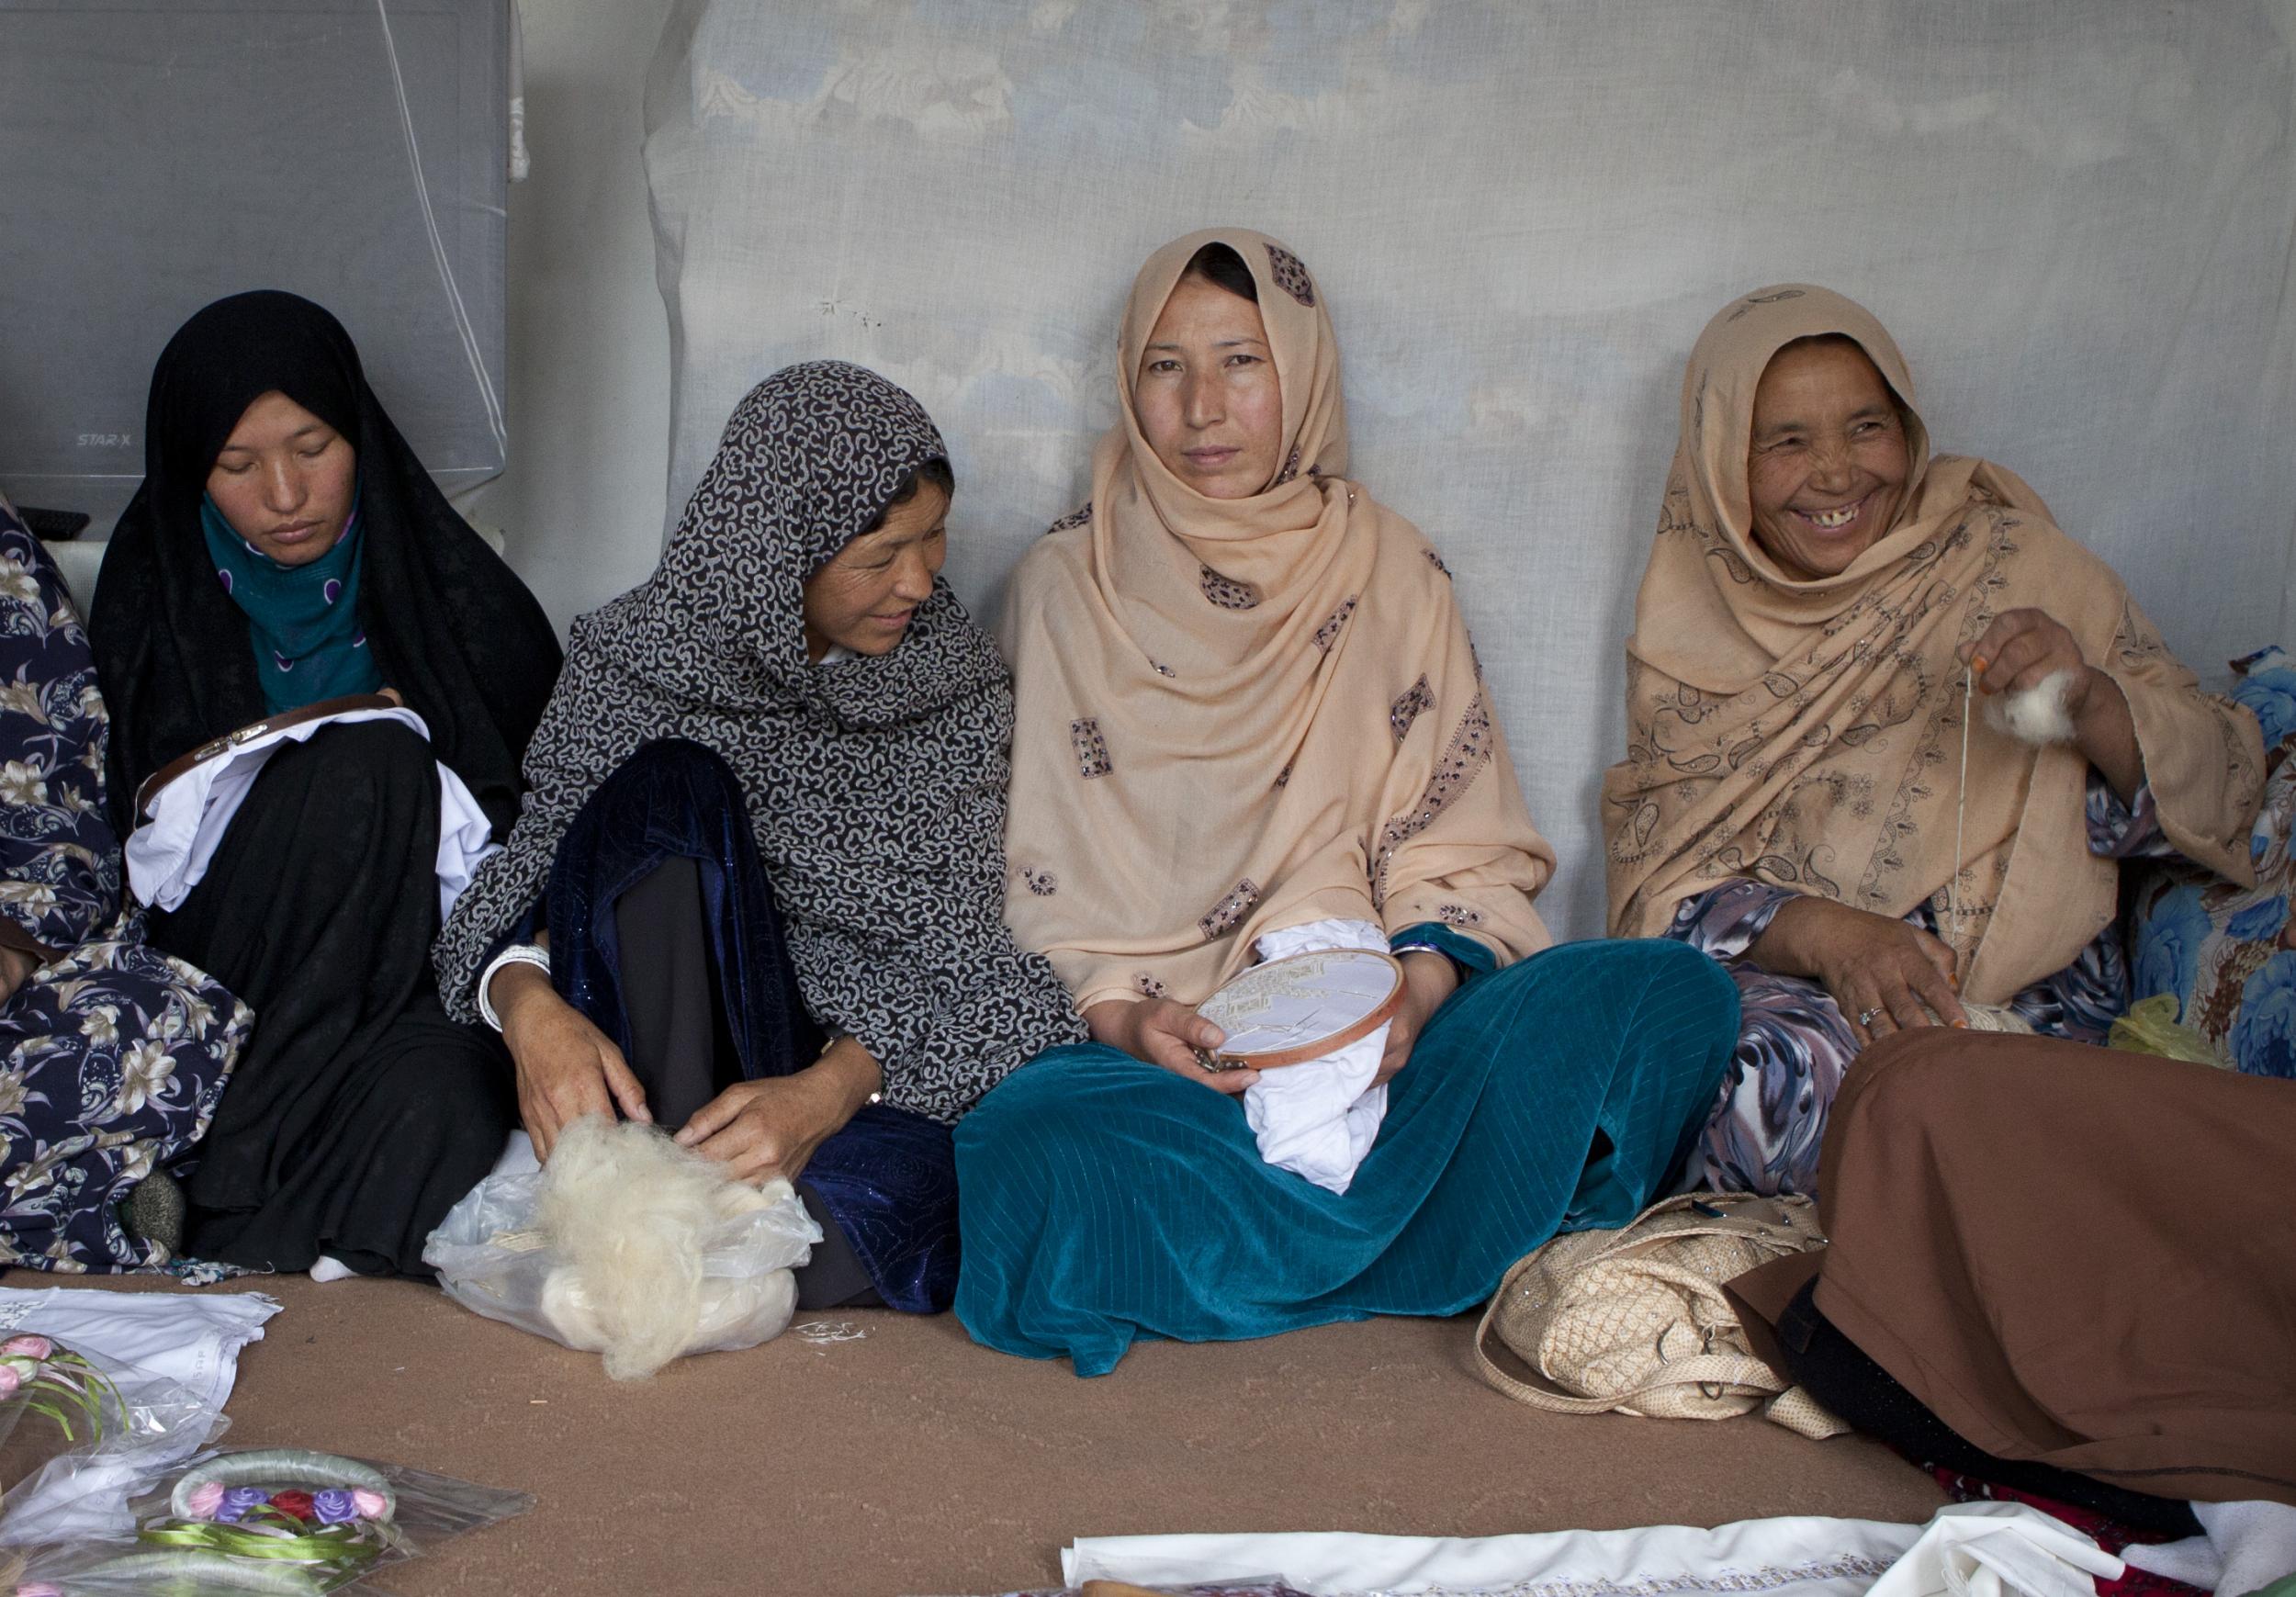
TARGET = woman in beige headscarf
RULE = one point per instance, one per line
(1249, 723)
(1823, 601)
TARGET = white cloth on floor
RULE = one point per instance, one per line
(1798, 1557)
(2245, 1547)
(327, 1267)
(1319, 1118)
(1990, 1554)
(193, 1340)
(168, 855)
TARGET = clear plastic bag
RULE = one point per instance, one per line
(2151, 1027)
(80, 1433)
(626, 1246)
(277, 1520)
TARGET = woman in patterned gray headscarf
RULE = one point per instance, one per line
(820, 993)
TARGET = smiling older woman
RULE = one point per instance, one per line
(1820, 592)
(757, 895)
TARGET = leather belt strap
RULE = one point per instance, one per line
(184, 763)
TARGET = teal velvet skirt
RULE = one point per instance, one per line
(1103, 1198)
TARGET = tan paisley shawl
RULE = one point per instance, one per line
(1807, 734)
(1238, 716)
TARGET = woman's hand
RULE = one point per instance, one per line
(1428, 979)
(1887, 976)
(566, 1065)
(2022, 650)
(771, 1127)
(1165, 1032)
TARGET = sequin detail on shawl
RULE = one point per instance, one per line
(1075, 518)
(1291, 275)
(1092, 750)
(1227, 593)
(1328, 634)
(1043, 883)
(1229, 913)
(1468, 753)
(1416, 701)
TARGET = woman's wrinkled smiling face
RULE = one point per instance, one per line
(285, 480)
(1207, 394)
(1828, 462)
(867, 594)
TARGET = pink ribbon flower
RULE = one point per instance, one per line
(26, 1346)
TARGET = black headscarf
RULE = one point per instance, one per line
(453, 629)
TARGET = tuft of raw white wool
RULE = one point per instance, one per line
(626, 1210)
(2037, 715)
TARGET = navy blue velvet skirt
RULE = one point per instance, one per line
(888, 1178)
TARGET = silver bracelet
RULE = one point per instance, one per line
(518, 953)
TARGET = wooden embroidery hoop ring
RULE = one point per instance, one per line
(148, 792)
(1222, 1059)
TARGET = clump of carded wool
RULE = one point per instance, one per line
(627, 1211)
(2037, 715)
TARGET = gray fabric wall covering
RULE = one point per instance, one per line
(159, 154)
(2076, 216)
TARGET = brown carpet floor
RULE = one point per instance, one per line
(912, 1461)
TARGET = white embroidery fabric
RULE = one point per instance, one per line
(1795, 1556)
(169, 854)
(1319, 1119)
(2244, 1547)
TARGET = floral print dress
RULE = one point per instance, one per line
(2227, 952)
(112, 1054)
(1795, 1045)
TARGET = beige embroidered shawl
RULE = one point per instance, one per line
(1238, 716)
(1807, 734)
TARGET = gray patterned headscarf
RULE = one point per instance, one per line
(876, 786)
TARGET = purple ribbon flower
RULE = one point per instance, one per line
(238, 1501)
(335, 1508)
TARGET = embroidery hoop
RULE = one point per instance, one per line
(1301, 1008)
(148, 792)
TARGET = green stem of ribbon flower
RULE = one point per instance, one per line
(337, 1545)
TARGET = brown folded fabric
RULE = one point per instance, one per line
(1762, 1295)
(2073, 1256)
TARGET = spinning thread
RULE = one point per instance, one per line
(1961, 809)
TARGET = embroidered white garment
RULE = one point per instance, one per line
(168, 855)
(1795, 1556)
(2246, 1545)
(191, 1340)
(1319, 1118)
(1973, 1549)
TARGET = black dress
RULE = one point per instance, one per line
(359, 1112)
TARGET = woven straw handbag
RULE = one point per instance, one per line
(1635, 1319)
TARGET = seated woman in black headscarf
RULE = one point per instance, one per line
(777, 927)
(286, 549)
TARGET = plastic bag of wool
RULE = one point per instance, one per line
(627, 1245)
